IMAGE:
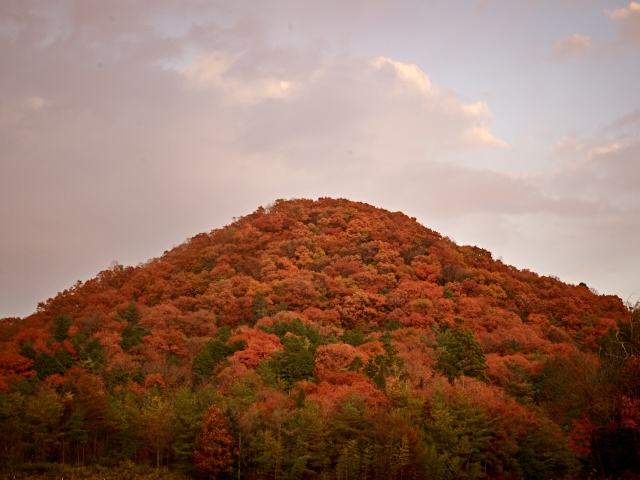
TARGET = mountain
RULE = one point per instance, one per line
(331, 338)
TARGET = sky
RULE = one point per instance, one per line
(127, 126)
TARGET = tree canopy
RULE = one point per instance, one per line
(324, 339)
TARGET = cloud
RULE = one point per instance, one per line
(481, 6)
(570, 147)
(377, 108)
(629, 21)
(36, 103)
(624, 13)
(628, 124)
(600, 171)
(213, 70)
(128, 127)
(571, 47)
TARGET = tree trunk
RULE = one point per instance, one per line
(598, 454)
(239, 452)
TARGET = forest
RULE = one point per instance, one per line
(323, 339)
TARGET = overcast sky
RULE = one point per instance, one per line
(127, 126)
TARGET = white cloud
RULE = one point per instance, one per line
(624, 13)
(441, 105)
(600, 171)
(629, 20)
(411, 74)
(571, 147)
(480, 135)
(213, 70)
(571, 47)
(36, 103)
(481, 6)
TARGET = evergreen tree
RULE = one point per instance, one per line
(60, 328)
(461, 354)
(355, 365)
(126, 425)
(45, 364)
(300, 398)
(131, 313)
(289, 367)
(311, 442)
(308, 333)
(156, 413)
(214, 352)
(298, 362)
(64, 358)
(379, 379)
(458, 438)
(28, 351)
(269, 454)
(185, 421)
(93, 352)
(351, 421)
(133, 332)
(132, 336)
(77, 432)
(260, 308)
(352, 338)
(223, 334)
(43, 411)
(370, 369)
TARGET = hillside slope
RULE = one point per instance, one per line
(333, 338)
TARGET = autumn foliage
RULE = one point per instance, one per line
(217, 446)
(325, 339)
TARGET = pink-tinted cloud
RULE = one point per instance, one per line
(571, 47)
(481, 6)
(629, 21)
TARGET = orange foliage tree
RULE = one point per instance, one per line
(217, 451)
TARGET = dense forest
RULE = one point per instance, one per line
(324, 339)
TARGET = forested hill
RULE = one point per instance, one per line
(325, 339)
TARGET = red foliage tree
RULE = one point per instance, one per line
(332, 358)
(339, 387)
(581, 436)
(260, 345)
(13, 367)
(217, 451)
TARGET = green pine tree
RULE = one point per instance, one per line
(60, 328)
(214, 352)
(131, 313)
(64, 358)
(298, 362)
(379, 379)
(355, 365)
(28, 351)
(300, 398)
(458, 439)
(461, 354)
(45, 364)
(93, 352)
(132, 335)
(77, 432)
